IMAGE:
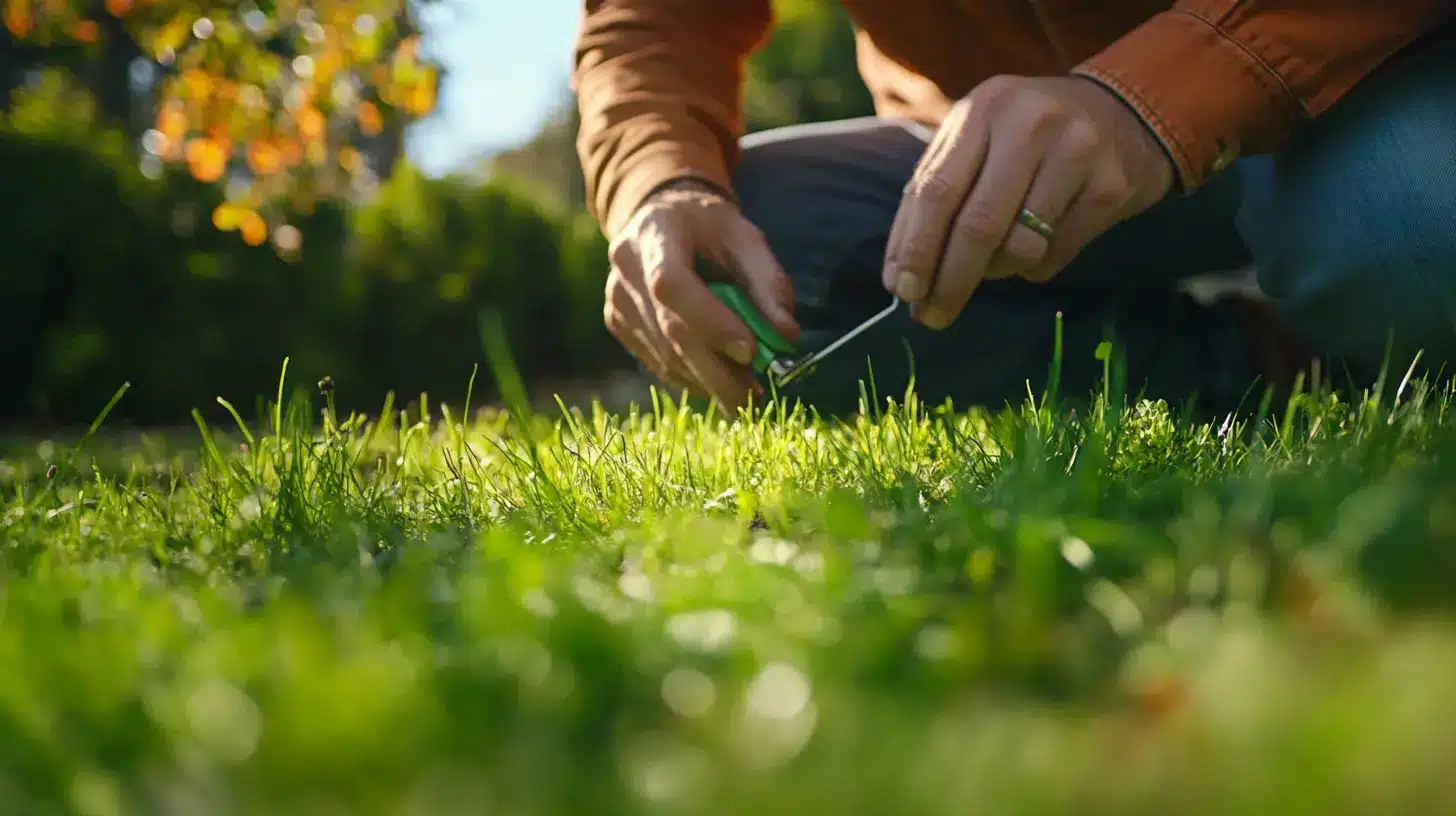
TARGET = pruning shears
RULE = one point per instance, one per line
(776, 358)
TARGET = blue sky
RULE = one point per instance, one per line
(510, 62)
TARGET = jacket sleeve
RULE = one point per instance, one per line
(1216, 78)
(658, 84)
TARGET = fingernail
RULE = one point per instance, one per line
(890, 276)
(934, 318)
(781, 315)
(740, 353)
(910, 287)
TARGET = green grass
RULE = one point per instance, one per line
(920, 611)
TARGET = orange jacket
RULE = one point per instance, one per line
(658, 81)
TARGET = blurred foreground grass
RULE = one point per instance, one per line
(917, 612)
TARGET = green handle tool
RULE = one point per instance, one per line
(771, 344)
(775, 355)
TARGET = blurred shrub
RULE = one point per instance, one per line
(807, 70)
(110, 276)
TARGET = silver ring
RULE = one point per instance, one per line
(1036, 224)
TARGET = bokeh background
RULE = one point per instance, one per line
(192, 192)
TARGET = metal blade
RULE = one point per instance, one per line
(802, 367)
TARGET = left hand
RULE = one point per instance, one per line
(1063, 148)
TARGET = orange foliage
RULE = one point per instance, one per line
(327, 64)
(421, 99)
(290, 151)
(253, 228)
(408, 49)
(371, 122)
(18, 19)
(86, 31)
(172, 121)
(264, 157)
(206, 159)
(311, 124)
(197, 83)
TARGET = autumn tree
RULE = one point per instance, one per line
(280, 101)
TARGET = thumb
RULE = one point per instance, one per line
(765, 281)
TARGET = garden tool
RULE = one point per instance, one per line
(776, 357)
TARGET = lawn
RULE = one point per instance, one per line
(1099, 607)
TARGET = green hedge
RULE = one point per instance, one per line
(109, 276)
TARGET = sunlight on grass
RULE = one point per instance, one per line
(917, 611)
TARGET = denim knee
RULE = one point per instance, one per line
(1353, 228)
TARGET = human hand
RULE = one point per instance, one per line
(1064, 148)
(662, 311)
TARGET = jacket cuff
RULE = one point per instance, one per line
(655, 167)
(1205, 96)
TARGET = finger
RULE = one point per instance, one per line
(644, 327)
(1056, 184)
(639, 343)
(981, 225)
(707, 339)
(679, 295)
(934, 151)
(1093, 210)
(768, 286)
(676, 371)
(629, 336)
(932, 198)
(623, 319)
(729, 381)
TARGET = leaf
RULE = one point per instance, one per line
(227, 217)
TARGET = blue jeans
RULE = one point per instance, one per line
(1352, 231)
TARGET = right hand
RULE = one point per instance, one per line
(662, 311)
